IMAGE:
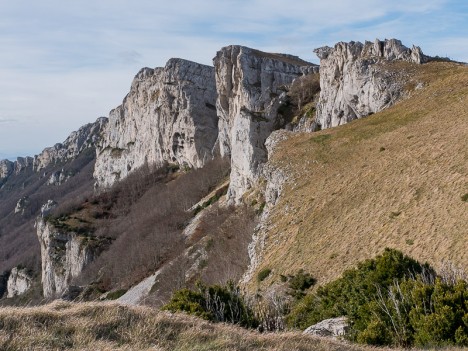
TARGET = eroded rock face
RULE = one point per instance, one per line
(6, 168)
(249, 84)
(19, 282)
(168, 116)
(354, 83)
(85, 137)
(21, 205)
(64, 254)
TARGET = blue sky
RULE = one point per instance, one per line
(64, 63)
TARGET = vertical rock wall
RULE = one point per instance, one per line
(168, 116)
(353, 81)
(249, 84)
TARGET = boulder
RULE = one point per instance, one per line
(333, 327)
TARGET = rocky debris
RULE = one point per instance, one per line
(137, 294)
(19, 282)
(354, 83)
(21, 205)
(249, 84)
(85, 137)
(169, 115)
(333, 327)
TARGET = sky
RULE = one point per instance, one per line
(64, 63)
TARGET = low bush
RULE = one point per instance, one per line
(391, 300)
(263, 274)
(214, 303)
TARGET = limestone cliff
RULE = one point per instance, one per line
(64, 253)
(19, 282)
(85, 137)
(6, 168)
(169, 115)
(249, 84)
(353, 81)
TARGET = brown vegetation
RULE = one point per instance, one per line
(390, 180)
(93, 326)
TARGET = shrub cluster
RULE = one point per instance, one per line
(391, 300)
(214, 303)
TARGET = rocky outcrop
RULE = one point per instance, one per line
(169, 115)
(23, 163)
(6, 168)
(64, 253)
(58, 178)
(249, 84)
(21, 205)
(333, 327)
(355, 83)
(19, 282)
(85, 137)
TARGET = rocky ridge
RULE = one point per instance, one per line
(78, 141)
(169, 115)
(249, 84)
(353, 81)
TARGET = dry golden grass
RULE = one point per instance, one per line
(394, 179)
(93, 326)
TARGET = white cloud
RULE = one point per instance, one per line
(64, 63)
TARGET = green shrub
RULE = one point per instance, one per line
(299, 283)
(263, 274)
(464, 198)
(350, 295)
(214, 303)
(391, 300)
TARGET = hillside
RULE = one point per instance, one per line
(65, 326)
(395, 179)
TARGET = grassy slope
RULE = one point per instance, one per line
(394, 179)
(92, 326)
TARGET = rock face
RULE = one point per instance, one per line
(78, 141)
(64, 254)
(19, 282)
(168, 116)
(249, 84)
(333, 327)
(85, 137)
(21, 205)
(353, 82)
(6, 168)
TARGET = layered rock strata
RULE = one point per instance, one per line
(169, 115)
(354, 83)
(249, 84)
